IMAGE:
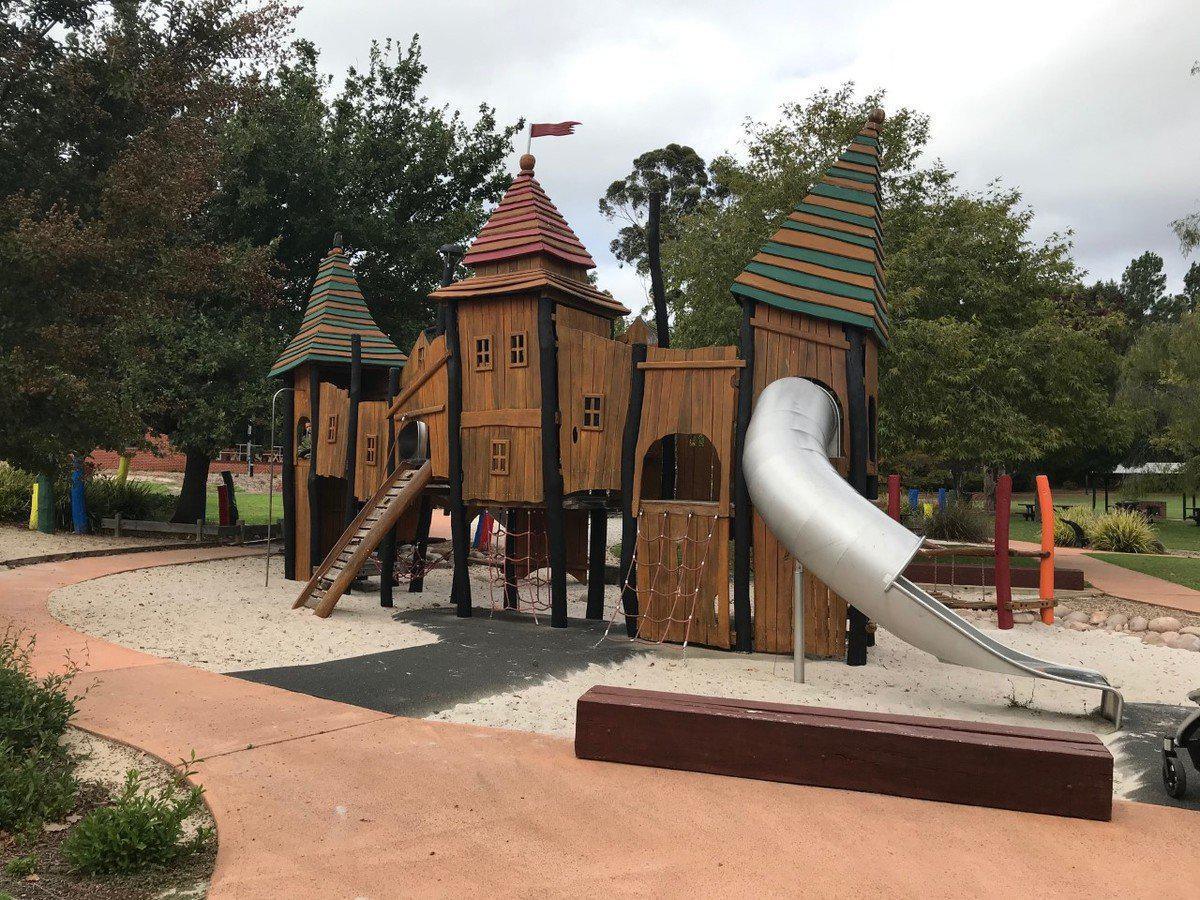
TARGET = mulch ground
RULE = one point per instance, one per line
(53, 879)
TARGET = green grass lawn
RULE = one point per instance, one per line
(252, 508)
(1178, 569)
(1174, 532)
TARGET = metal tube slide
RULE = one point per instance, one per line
(855, 548)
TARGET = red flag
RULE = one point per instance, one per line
(552, 129)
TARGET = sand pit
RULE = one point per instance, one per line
(17, 542)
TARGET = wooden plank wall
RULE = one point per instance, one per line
(690, 401)
(369, 473)
(430, 395)
(679, 578)
(791, 344)
(572, 317)
(501, 403)
(591, 364)
(303, 563)
(331, 455)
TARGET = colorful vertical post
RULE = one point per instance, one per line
(942, 499)
(914, 499)
(1046, 570)
(79, 519)
(1003, 579)
(45, 504)
(894, 497)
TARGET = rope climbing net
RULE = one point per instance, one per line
(516, 553)
(667, 571)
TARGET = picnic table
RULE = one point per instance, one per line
(1030, 512)
(1151, 509)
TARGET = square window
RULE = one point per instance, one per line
(372, 449)
(331, 425)
(483, 354)
(593, 412)
(499, 457)
(516, 350)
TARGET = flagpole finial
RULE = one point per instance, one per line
(877, 116)
(527, 162)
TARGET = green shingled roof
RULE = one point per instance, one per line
(826, 259)
(336, 311)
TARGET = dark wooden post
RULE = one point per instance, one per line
(629, 443)
(597, 553)
(351, 469)
(552, 480)
(512, 598)
(662, 325)
(314, 505)
(387, 547)
(416, 574)
(743, 533)
(856, 394)
(460, 592)
(288, 474)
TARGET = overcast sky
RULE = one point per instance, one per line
(1087, 107)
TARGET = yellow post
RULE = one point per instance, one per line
(33, 508)
(122, 469)
(1046, 569)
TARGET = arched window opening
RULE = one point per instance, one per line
(697, 469)
(303, 438)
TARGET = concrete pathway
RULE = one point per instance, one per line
(1122, 582)
(317, 799)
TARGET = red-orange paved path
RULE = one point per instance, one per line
(315, 799)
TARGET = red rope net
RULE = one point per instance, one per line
(670, 578)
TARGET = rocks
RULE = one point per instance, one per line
(1163, 624)
(1187, 642)
(1076, 625)
(1190, 629)
(1116, 622)
(1077, 616)
(1138, 623)
(1024, 618)
(1170, 638)
(1098, 618)
(1153, 638)
(1060, 612)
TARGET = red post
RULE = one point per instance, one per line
(894, 497)
(223, 511)
(1046, 570)
(1004, 615)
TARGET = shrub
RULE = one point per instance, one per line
(1125, 531)
(21, 866)
(1065, 535)
(958, 521)
(34, 712)
(35, 788)
(104, 497)
(15, 487)
(141, 829)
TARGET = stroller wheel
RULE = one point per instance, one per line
(1174, 776)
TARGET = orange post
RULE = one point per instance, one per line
(1046, 569)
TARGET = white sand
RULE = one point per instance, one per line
(219, 616)
(17, 542)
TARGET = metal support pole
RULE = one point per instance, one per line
(798, 624)
(271, 481)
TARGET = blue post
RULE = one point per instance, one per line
(914, 499)
(942, 499)
(79, 519)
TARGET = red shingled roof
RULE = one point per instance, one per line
(524, 223)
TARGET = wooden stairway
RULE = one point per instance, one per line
(378, 516)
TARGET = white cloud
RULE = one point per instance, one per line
(1086, 106)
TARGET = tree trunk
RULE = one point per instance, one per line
(194, 493)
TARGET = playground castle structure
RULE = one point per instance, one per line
(524, 401)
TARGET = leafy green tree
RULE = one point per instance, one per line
(1144, 286)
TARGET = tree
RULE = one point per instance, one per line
(1144, 286)
(395, 174)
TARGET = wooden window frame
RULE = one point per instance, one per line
(500, 456)
(420, 357)
(371, 457)
(331, 428)
(598, 412)
(518, 356)
(485, 356)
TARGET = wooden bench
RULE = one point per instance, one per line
(1028, 769)
(1151, 509)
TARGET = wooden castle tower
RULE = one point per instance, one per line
(334, 447)
(535, 410)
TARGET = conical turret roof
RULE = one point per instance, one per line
(524, 223)
(827, 260)
(336, 310)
